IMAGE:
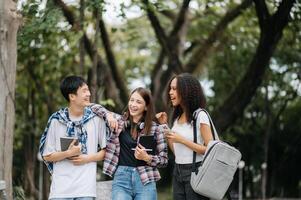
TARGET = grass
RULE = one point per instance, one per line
(164, 194)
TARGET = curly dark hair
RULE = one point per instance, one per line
(191, 93)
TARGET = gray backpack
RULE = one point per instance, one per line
(215, 174)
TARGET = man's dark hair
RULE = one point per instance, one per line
(70, 85)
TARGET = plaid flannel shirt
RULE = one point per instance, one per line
(148, 173)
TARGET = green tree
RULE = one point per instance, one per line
(236, 46)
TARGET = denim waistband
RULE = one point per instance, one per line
(126, 168)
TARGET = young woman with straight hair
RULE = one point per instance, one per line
(134, 169)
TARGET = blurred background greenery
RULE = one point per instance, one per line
(246, 54)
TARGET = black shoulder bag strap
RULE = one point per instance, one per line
(195, 117)
(194, 121)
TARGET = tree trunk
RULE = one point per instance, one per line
(175, 43)
(119, 79)
(271, 33)
(204, 50)
(29, 148)
(46, 182)
(266, 138)
(29, 166)
(9, 22)
(48, 99)
(113, 91)
(172, 47)
(93, 83)
(82, 42)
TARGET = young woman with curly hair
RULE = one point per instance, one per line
(186, 95)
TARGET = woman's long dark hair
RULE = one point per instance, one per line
(191, 93)
(148, 115)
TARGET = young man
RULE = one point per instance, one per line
(74, 170)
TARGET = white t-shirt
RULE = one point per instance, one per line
(183, 154)
(68, 180)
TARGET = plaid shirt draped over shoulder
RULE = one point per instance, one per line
(148, 173)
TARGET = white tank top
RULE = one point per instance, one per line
(183, 154)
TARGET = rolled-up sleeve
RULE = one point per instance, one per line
(161, 158)
(50, 143)
(102, 134)
(100, 110)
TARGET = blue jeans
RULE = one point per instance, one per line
(77, 198)
(127, 185)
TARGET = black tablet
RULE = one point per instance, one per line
(66, 141)
(149, 143)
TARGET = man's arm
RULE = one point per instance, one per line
(110, 117)
(73, 150)
(84, 158)
(97, 156)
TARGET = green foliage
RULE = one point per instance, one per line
(285, 157)
(18, 193)
(48, 50)
(237, 48)
(107, 103)
(136, 49)
(96, 5)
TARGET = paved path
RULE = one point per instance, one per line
(104, 190)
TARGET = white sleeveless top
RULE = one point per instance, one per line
(183, 154)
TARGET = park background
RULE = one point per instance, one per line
(246, 54)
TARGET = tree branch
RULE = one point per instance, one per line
(192, 46)
(164, 41)
(235, 104)
(93, 76)
(182, 16)
(169, 14)
(68, 14)
(120, 82)
(48, 98)
(262, 13)
(156, 70)
(101, 66)
(174, 43)
(281, 16)
(159, 31)
(81, 42)
(200, 55)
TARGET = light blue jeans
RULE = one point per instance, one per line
(127, 185)
(77, 198)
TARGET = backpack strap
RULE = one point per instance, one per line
(213, 131)
(228, 195)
